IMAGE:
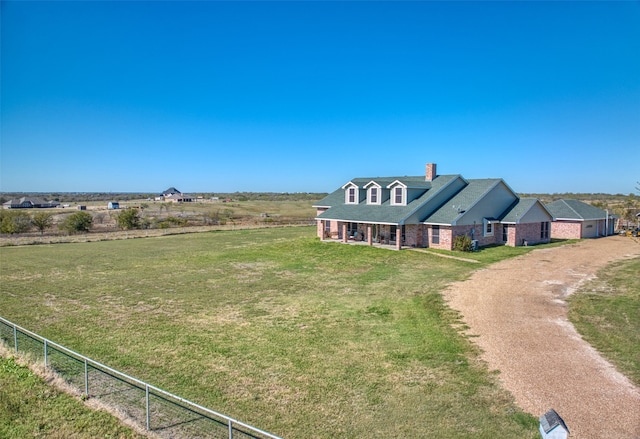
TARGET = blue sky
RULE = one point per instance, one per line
(211, 96)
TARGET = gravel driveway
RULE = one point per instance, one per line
(516, 309)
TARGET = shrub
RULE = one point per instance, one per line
(128, 219)
(171, 221)
(12, 221)
(462, 243)
(77, 222)
(42, 221)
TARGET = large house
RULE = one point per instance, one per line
(573, 219)
(174, 195)
(29, 203)
(430, 211)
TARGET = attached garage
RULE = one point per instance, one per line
(573, 219)
(590, 229)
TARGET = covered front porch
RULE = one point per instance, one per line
(382, 235)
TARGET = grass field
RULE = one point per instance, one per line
(606, 312)
(30, 408)
(298, 337)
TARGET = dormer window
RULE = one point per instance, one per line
(374, 193)
(398, 196)
(397, 193)
(352, 195)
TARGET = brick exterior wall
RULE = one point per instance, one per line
(446, 238)
(530, 233)
(566, 230)
(320, 223)
(511, 235)
(421, 236)
(413, 235)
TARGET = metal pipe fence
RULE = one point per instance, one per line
(158, 411)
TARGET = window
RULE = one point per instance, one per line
(544, 230)
(488, 228)
(398, 195)
(352, 195)
(505, 233)
(373, 195)
(393, 233)
(327, 226)
(435, 235)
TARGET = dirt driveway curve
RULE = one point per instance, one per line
(517, 310)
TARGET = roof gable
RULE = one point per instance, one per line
(574, 210)
(396, 183)
(371, 184)
(520, 208)
(463, 201)
(350, 184)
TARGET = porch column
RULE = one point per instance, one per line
(344, 232)
(398, 237)
(369, 234)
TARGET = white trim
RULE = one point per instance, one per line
(347, 193)
(396, 183)
(378, 190)
(403, 194)
(341, 220)
(485, 223)
(579, 219)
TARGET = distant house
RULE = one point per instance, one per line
(170, 192)
(113, 205)
(29, 203)
(430, 211)
(174, 195)
(573, 219)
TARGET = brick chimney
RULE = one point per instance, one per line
(431, 171)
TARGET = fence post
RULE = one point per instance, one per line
(45, 353)
(230, 429)
(146, 388)
(15, 338)
(86, 378)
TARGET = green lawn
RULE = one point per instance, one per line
(30, 408)
(606, 312)
(272, 327)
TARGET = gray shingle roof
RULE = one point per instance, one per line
(575, 210)
(517, 210)
(456, 207)
(384, 213)
(35, 201)
(171, 191)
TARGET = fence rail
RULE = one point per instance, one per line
(158, 411)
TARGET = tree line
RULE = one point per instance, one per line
(80, 197)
